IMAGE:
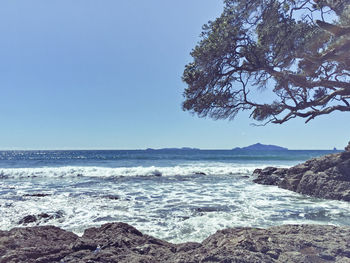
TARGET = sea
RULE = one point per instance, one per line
(177, 195)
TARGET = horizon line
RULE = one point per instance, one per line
(157, 149)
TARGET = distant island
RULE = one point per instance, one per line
(262, 147)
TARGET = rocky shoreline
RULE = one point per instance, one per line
(325, 177)
(120, 242)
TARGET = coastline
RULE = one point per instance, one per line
(326, 177)
(120, 242)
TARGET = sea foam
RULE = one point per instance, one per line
(110, 172)
(175, 208)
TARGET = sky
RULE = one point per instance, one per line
(106, 74)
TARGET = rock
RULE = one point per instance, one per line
(199, 211)
(3, 176)
(120, 242)
(347, 148)
(37, 195)
(56, 215)
(43, 216)
(325, 177)
(28, 219)
(35, 244)
(269, 175)
(156, 173)
(112, 197)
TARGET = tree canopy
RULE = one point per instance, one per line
(298, 49)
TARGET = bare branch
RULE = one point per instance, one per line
(271, 44)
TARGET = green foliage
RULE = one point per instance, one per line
(276, 45)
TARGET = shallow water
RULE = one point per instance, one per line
(176, 199)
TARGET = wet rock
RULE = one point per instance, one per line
(119, 242)
(37, 195)
(40, 217)
(325, 177)
(3, 176)
(112, 197)
(157, 173)
(205, 209)
(43, 215)
(269, 175)
(200, 211)
(57, 215)
(28, 219)
(200, 173)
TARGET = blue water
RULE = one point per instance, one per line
(129, 158)
(177, 195)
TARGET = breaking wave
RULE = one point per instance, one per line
(110, 172)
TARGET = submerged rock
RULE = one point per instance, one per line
(28, 219)
(120, 242)
(200, 173)
(325, 177)
(40, 217)
(37, 195)
(112, 197)
(157, 173)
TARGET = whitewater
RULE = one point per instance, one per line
(176, 195)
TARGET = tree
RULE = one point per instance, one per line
(298, 49)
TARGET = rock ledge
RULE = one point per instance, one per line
(325, 177)
(119, 242)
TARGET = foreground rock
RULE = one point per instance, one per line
(35, 244)
(119, 242)
(325, 177)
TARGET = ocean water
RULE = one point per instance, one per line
(176, 195)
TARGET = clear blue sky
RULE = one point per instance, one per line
(106, 74)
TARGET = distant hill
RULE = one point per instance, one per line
(262, 147)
